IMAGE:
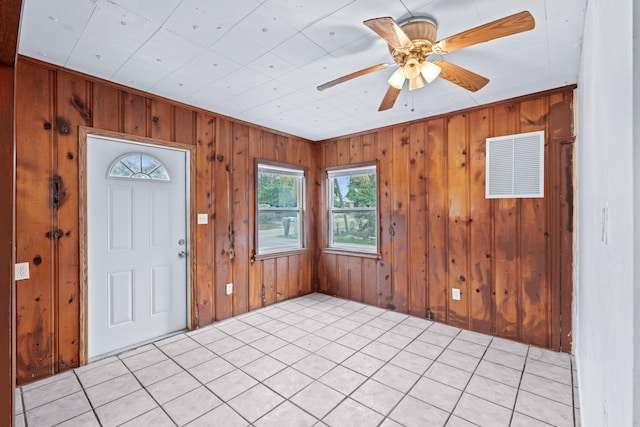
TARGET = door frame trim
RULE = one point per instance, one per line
(83, 133)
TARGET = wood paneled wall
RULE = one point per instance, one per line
(511, 258)
(52, 104)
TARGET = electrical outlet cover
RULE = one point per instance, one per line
(21, 271)
(203, 218)
(229, 288)
(455, 294)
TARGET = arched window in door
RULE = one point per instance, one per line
(138, 166)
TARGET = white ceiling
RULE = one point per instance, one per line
(261, 60)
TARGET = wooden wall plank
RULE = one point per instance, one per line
(331, 154)
(240, 215)
(384, 280)
(369, 281)
(343, 151)
(417, 230)
(282, 278)
(355, 150)
(312, 214)
(35, 235)
(280, 149)
(222, 222)
(184, 125)
(323, 283)
(305, 279)
(343, 275)
(293, 280)
(162, 125)
(369, 147)
(255, 267)
(399, 217)
(458, 236)
(561, 216)
(135, 114)
(566, 245)
(481, 226)
(269, 279)
(106, 111)
(355, 278)
(437, 253)
(506, 260)
(205, 246)
(73, 107)
(331, 270)
(534, 292)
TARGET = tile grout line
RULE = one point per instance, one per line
(469, 380)
(314, 379)
(84, 391)
(346, 396)
(24, 409)
(422, 375)
(224, 402)
(515, 402)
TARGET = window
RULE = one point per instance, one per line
(353, 195)
(280, 195)
(138, 166)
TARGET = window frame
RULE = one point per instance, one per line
(350, 170)
(289, 170)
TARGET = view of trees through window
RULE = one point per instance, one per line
(279, 211)
(353, 208)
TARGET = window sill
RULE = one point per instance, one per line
(270, 255)
(347, 252)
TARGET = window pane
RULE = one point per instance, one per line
(354, 191)
(119, 169)
(138, 166)
(277, 191)
(149, 164)
(133, 162)
(278, 231)
(160, 174)
(355, 229)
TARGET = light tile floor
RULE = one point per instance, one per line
(314, 361)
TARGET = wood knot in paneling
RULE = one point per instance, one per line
(82, 108)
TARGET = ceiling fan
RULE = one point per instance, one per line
(413, 40)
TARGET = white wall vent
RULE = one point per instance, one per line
(515, 166)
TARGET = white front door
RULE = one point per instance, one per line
(137, 243)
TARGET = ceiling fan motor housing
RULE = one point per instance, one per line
(422, 32)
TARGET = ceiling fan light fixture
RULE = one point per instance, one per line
(412, 68)
(416, 82)
(397, 78)
(430, 71)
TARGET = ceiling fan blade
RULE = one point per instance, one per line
(461, 76)
(507, 26)
(389, 98)
(352, 76)
(390, 32)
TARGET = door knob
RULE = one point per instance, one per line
(182, 254)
